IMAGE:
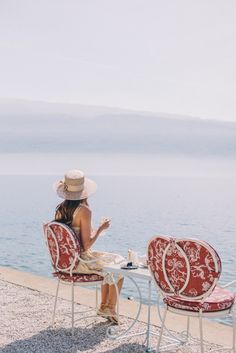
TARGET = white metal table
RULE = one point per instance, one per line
(142, 274)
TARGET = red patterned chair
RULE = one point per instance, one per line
(64, 251)
(186, 272)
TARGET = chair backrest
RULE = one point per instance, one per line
(63, 246)
(189, 268)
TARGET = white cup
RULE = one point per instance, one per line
(143, 260)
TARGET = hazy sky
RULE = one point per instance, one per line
(174, 56)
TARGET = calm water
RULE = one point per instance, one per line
(139, 207)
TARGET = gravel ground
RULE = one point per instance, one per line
(24, 327)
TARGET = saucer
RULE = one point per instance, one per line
(129, 267)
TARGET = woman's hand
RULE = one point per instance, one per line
(105, 223)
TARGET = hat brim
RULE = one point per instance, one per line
(90, 188)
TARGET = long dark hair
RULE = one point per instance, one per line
(65, 210)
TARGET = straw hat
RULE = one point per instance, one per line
(75, 186)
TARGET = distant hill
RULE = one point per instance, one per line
(72, 128)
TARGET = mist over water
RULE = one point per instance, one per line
(109, 141)
(117, 132)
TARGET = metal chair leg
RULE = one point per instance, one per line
(149, 315)
(96, 296)
(188, 326)
(201, 331)
(162, 328)
(55, 303)
(72, 308)
(234, 331)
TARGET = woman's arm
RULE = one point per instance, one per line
(88, 237)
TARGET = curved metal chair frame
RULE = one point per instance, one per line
(172, 292)
(75, 252)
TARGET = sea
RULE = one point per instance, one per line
(139, 207)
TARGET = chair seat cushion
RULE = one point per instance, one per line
(220, 299)
(77, 277)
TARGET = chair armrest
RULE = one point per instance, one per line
(229, 284)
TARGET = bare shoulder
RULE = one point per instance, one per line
(85, 211)
(81, 215)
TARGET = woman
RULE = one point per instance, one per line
(75, 212)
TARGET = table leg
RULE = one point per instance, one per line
(114, 333)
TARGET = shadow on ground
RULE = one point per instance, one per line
(89, 339)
